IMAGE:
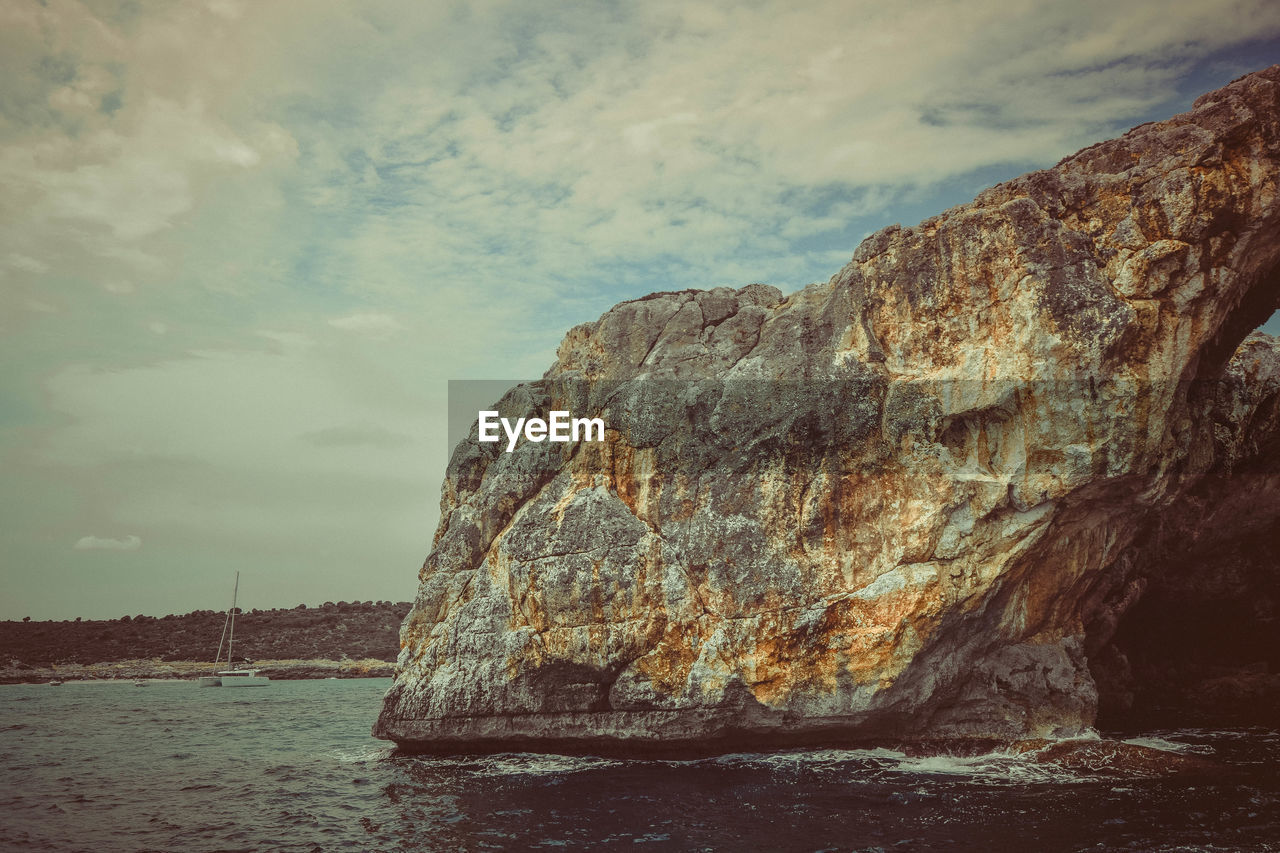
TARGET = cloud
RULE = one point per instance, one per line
(373, 324)
(112, 133)
(536, 157)
(133, 186)
(719, 140)
(22, 262)
(286, 340)
(98, 543)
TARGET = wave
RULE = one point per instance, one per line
(536, 764)
(1082, 759)
(1000, 767)
(360, 756)
(1164, 745)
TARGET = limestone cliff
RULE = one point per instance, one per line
(916, 501)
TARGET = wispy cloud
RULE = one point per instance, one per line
(373, 324)
(99, 543)
(22, 262)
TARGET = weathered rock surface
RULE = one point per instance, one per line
(914, 502)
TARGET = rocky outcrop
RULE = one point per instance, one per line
(914, 502)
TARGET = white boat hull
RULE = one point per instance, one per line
(209, 681)
(243, 678)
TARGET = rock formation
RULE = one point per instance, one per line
(914, 502)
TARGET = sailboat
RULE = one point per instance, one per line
(233, 677)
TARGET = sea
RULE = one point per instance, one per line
(173, 767)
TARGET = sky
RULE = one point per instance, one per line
(244, 246)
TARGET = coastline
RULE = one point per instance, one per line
(155, 669)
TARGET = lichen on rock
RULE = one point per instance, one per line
(914, 502)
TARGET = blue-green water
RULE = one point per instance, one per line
(292, 767)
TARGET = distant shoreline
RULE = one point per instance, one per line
(301, 642)
(155, 669)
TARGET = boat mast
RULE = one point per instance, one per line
(232, 636)
(223, 639)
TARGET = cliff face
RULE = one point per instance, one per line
(916, 501)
